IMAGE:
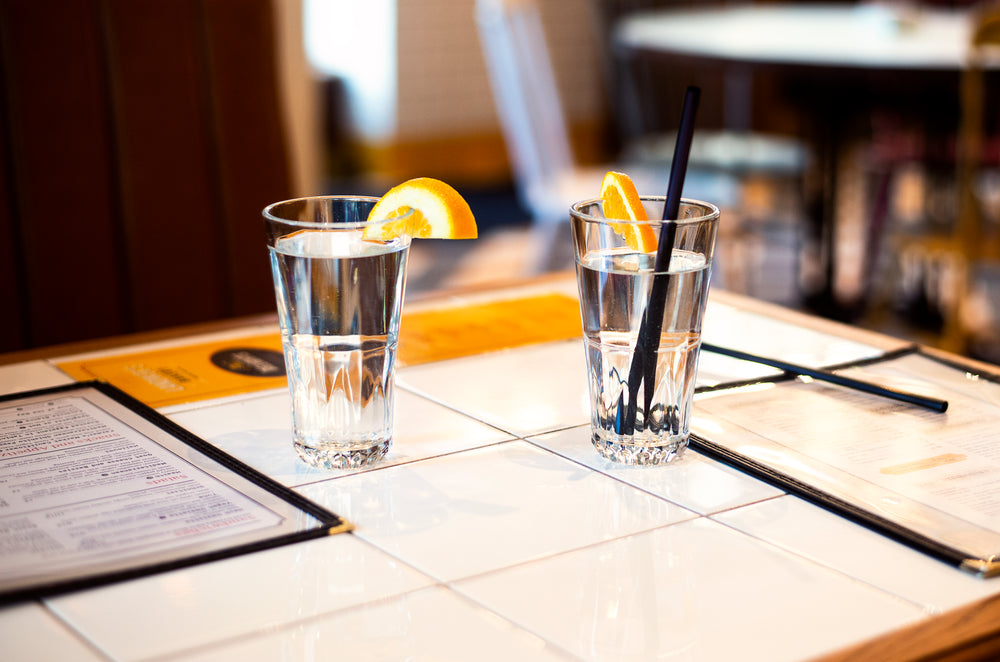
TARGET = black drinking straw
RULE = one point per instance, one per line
(927, 402)
(643, 367)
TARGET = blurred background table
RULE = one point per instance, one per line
(866, 36)
(877, 86)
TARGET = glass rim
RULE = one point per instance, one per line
(269, 215)
(713, 211)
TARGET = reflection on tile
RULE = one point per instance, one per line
(488, 508)
(728, 326)
(30, 633)
(31, 375)
(234, 597)
(694, 481)
(432, 623)
(757, 333)
(538, 388)
(541, 388)
(715, 369)
(835, 542)
(258, 431)
(692, 591)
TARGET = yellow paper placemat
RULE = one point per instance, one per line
(450, 333)
(190, 372)
(201, 371)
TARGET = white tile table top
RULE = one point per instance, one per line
(541, 388)
(692, 591)
(258, 431)
(179, 611)
(479, 510)
(473, 544)
(537, 388)
(433, 623)
(730, 326)
(31, 375)
(29, 633)
(826, 538)
(693, 481)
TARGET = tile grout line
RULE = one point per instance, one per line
(924, 609)
(458, 593)
(75, 632)
(405, 463)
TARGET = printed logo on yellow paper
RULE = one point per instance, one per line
(193, 372)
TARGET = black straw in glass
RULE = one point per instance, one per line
(643, 368)
(826, 376)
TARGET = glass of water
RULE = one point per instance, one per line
(641, 405)
(339, 298)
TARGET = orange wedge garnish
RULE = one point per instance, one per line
(439, 212)
(621, 202)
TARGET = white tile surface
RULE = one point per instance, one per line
(732, 327)
(692, 591)
(488, 508)
(31, 375)
(833, 541)
(430, 624)
(715, 369)
(755, 333)
(30, 633)
(694, 481)
(541, 388)
(258, 431)
(537, 388)
(556, 552)
(234, 597)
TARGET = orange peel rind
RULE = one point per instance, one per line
(439, 212)
(621, 202)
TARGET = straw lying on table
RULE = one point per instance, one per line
(826, 376)
(643, 367)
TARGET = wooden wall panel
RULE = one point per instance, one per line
(139, 141)
(169, 195)
(61, 178)
(253, 167)
(13, 303)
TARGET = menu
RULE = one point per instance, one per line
(929, 479)
(95, 486)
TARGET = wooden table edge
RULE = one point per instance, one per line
(963, 634)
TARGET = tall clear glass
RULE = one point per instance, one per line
(339, 299)
(640, 410)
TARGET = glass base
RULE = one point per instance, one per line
(338, 457)
(642, 455)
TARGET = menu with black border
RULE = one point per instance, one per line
(928, 479)
(97, 487)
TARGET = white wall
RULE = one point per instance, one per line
(437, 81)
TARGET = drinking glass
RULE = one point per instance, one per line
(641, 405)
(339, 298)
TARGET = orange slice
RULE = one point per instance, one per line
(621, 201)
(439, 212)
